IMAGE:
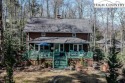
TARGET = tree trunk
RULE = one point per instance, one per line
(1, 27)
(94, 36)
(41, 10)
(47, 3)
(106, 34)
(29, 8)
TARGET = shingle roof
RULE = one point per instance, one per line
(58, 40)
(58, 25)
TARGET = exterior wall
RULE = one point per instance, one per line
(33, 35)
(84, 36)
(58, 34)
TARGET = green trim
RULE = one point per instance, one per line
(53, 60)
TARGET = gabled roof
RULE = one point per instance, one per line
(58, 40)
(58, 25)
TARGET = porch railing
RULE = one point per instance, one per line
(75, 54)
(46, 54)
(38, 54)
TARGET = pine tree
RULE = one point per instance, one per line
(113, 64)
(9, 58)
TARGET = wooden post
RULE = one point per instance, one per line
(53, 60)
(66, 59)
(38, 47)
(34, 46)
(59, 48)
(69, 47)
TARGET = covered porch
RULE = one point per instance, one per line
(69, 46)
(70, 50)
(59, 50)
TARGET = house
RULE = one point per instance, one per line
(102, 44)
(59, 42)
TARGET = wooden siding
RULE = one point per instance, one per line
(85, 36)
(58, 34)
(33, 35)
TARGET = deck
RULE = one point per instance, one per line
(59, 59)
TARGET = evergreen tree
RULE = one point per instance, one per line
(9, 58)
(113, 64)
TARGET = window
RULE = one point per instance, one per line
(80, 47)
(43, 34)
(41, 48)
(36, 47)
(46, 47)
(71, 46)
(73, 34)
(75, 47)
(61, 47)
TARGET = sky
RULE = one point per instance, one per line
(116, 21)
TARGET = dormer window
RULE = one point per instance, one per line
(73, 34)
(43, 34)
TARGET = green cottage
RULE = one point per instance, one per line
(60, 42)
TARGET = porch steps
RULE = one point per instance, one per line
(60, 62)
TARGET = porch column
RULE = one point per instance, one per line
(38, 47)
(69, 47)
(59, 48)
(34, 46)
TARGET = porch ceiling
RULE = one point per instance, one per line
(58, 40)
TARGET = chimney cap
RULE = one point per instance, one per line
(59, 16)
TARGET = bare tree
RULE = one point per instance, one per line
(47, 4)
(112, 15)
(41, 7)
(57, 6)
(122, 22)
(94, 29)
(106, 46)
(80, 7)
(1, 26)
